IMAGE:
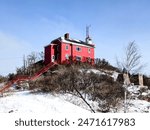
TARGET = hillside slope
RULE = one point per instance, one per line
(20, 102)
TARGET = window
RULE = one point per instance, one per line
(67, 47)
(78, 58)
(78, 48)
(89, 50)
(67, 56)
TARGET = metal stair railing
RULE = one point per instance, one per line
(26, 78)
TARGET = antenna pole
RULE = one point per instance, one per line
(87, 31)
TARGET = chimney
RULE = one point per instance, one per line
(66, 36)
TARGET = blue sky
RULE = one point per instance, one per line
(29, 25)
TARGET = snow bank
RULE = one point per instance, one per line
(26, 102)
(79, 102)
(37, 103)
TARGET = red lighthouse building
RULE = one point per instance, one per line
(64, 50)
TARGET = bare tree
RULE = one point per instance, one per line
(2, 79)
(41, 55)
(131, 64)
(132, 59)
(32, 58)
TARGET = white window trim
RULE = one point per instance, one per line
(67, 57)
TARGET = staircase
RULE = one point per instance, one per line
(27, 78)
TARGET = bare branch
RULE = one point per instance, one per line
(132, 59)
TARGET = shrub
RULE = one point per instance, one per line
(2, 79)
(46, 84)
(103, 64)
(71, 79)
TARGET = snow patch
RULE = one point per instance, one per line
(115, 75)
(93, 71)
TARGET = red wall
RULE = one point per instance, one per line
(64, 51)
(49, 51)
(83, 53)
(71, 52)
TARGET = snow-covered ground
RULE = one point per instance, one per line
(139, 106)
(27, 102)
(133, 106)
(37, 103)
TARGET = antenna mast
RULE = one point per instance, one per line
(87, 31)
